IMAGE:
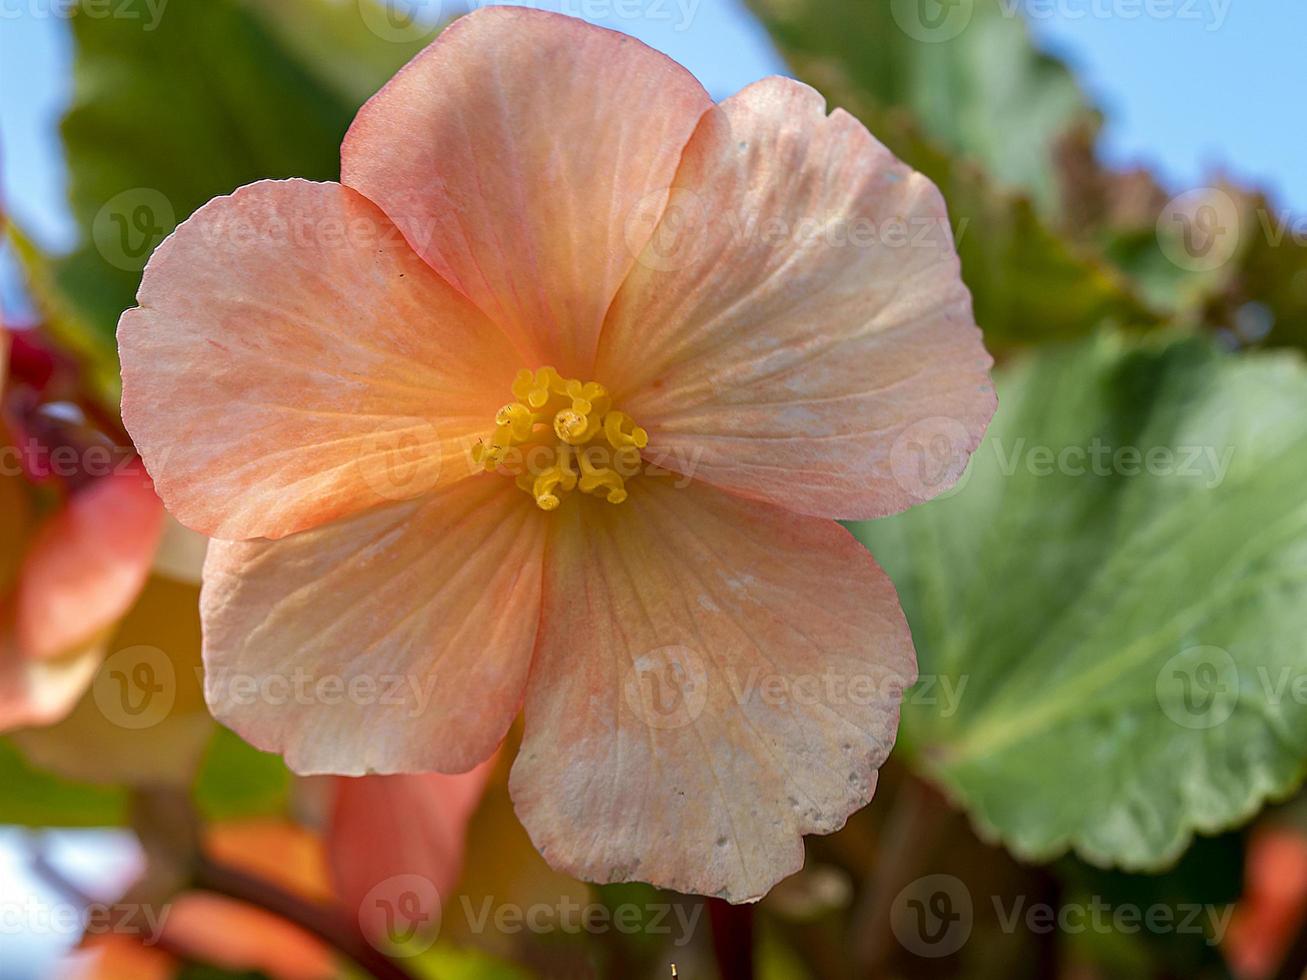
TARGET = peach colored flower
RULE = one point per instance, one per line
(73, 559)
(694, 335)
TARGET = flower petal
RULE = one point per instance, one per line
(797, 326)
(144, 711)
(39, 692)
(715, 678)
(386, 827)
(292, 361)
(116, 956)
(87, 563)
(214, 929)
(395, 641)
(514, 152)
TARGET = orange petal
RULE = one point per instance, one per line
(384, 828)
(395, 641)
(715, 678)
(513, 153)
(234, 936)
(293, 361)
(283, 852)
(115, 956)
(87, 564)
(797, 323)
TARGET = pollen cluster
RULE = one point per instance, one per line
(562, 435)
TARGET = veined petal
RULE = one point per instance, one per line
(293, 361)
(385, 827)
(518, 153)
(797, 328)
(395, 641)
(87, 564)
(715, 677)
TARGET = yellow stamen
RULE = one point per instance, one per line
(575, 419)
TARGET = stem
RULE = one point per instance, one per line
(732, 938)
(911, 830)
(42, 867)
(319, 920)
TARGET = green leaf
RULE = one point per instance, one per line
(34, 798)
(1028, 283)
(217, 95)
(1109, 614)
(236, 780)
(966, 70)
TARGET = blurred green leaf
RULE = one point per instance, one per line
(236, 780)
(216, 95)
(979, 115)
(1190, 906)
(1109, 614)
(34, 798)
(445, 962)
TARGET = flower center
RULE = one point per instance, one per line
(560, 435)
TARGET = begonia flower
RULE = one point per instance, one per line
(553, 403)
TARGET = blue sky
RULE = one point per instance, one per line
(1194, 87)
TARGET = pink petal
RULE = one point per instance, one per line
(395, 641)
(715, 678)
(292, 361)
(87, 564)
(515, 153)
(385, 828)
(797, 328)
